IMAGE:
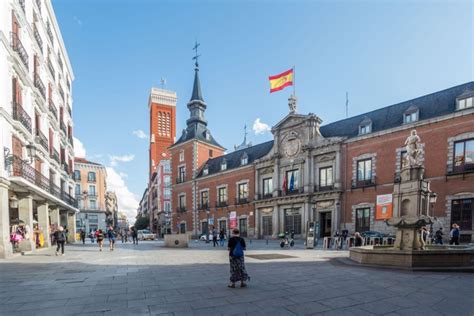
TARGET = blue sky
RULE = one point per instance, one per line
(380, 52)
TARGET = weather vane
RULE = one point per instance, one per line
(195, 48)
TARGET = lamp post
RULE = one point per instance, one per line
(207, 230)
(433, 198)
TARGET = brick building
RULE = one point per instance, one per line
(374, 151)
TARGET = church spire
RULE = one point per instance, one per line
(196, 95)
(196, 105)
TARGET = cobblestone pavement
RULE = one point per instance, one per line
(148, 279)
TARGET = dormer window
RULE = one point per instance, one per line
(244, 160)
(223, 165)
(411, 115)
(205, 171)
(207, 135)
(465, 103)
(365, 126)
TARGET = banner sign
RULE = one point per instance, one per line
(233, 220)
(384, 207)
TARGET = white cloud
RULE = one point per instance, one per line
(140, 134)
(124, 158)
(260, 127)
(127, 201)
(79, 149)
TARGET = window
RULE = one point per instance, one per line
(167, 193)
(93, 218)
(167, 180)
(364, 129)
(464, 155)
(77, 175)
(182, 202)
(78, 189)
(181, 156)
(292, 180)
(204, 199)
(364, 170)
(293, 221)
(92, 190)
(244, 159)
(243, 192)
(205, 171)
(362, 219)
(410, 117)
(267, 187)
(181, 174)
(461, 213)
(210, 153)
(222, 196)
(243, 227)
(223, 165)
(167, 207)
(325, 177)
(91, 177)
(93, 204)
(465, 103)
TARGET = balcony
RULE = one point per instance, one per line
(25, 171)
(38, 39)
(50, 33)
(60, 62)
(22, 5)
(40, 85)
(241, 200)
(181, 209)
(203, 206)
(69, 110)
(18, 47)
(61, 92)
(38, 3)
(292, 192)
(52, 108)
(363, 183)
(20, 115)
(221, 203)
(62, 126)
(65, 167)
(323, 188)
(51, 68)
(42, 140)
(55, 155)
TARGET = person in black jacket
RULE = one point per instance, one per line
(236, 247)
(60, 237)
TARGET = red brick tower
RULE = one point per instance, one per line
(162, 104)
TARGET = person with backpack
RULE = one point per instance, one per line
(60, 237)
(99, 234)
(236, 247)
(111, 237)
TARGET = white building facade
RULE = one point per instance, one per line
(36, 183)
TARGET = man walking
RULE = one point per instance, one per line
(83, 236)
(134, 235)
(60, 237)
(214, 237)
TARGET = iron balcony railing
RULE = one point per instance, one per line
(41, 139)
(51, 68)
(20, 115)
(60, 62)
(364, 183)
(66, 168)
(69, 110)
(180, 180)
(50, 33)
(323, 188)
(21, 169)
(264, 196)
(241, 200)
(61, 92)
(291, 192)
(52, 108)
(18, 47)
(38, 3)
(38, 39)
(22, 5)
(181, 209)
(204, 206)
(221, 203)
(40, 85)
(63, 127)
(55, 155)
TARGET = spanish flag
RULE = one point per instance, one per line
(281, 81)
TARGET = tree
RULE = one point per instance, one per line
(142, 223)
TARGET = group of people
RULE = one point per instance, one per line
(217, 238)
(437, 237)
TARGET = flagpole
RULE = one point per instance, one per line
(294, 81)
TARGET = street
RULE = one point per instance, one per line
(148, 279)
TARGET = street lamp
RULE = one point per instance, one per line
(207, 231)
(433, 198)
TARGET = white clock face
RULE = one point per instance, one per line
(291, 147)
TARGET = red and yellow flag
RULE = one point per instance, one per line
(281, 81)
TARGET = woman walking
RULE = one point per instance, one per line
(100, 238)
(60, 238)
(236, 246)
(111, 236)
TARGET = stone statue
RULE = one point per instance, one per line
(292, 103)
(414, 150)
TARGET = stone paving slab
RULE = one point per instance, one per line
(149, 279)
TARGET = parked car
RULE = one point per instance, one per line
(145, 234)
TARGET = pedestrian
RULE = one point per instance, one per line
(454, 234)
(60, 237)
(214, 237)
(83, 236)
(358, 241)
(99, 234)
(134, 235)
(222, 237)
(345, 233)
(236, 247)
(439, 236)
(111, 237)
(92, 236)
(122, 235)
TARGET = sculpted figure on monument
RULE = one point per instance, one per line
(414, 150)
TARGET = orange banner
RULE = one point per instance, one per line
(384, 208)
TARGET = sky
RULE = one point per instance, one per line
(380, 52)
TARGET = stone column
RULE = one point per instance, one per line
(337, 167)
(71, 226)
(54, 222)
(308, 177)
(6, 249)
(43, 223)
(275, 220)
(25, 213)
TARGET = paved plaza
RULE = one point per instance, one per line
(149, 279)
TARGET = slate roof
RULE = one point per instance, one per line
(233, 158)
(431, 105)
(199, 133)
